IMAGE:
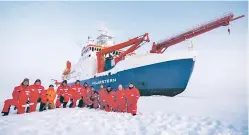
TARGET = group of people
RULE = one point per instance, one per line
(26, 97)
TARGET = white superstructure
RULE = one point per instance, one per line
(86, 67)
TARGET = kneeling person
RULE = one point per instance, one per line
(64, 93)
(51, 96)
(20, 98)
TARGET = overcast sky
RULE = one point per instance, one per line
(37, 38)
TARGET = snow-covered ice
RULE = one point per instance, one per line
(86, 121)
(77, 121)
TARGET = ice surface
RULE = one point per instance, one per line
(156, 117)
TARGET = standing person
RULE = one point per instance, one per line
(132, 96)
(64, 93)
(109, 100)
(20, 98)
(101, 96)
(121, 99)
(51, 94)
(38, 96)
(78, 94)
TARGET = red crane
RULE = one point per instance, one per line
(135, 42)
(222, 21)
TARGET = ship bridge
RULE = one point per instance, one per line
(104, 40)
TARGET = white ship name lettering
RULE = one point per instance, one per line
(112, 80)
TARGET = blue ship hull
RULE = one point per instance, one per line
(166, 78)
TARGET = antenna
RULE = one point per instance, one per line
(103, 29)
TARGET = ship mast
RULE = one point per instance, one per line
(104, 40)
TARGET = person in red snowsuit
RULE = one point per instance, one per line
(121, 99)
(38, 96)
(82, 101)
(101, 94)
(64, 94)
(77, 90)
(20, 98)
(109, 100)
(95, 98)
(132, 96)
(88, 95)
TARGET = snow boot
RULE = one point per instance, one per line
(71, 105)
(27, 111)
(51, 106)
(64, 104)
(81, 103)
(61, 99)
(6, 113)
(42, 105)
(91, 106)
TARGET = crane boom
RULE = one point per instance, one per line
(222, 21)
(134, 41)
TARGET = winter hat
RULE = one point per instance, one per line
(65, 81)
(131, 86)
(37, 80)
(26, 80)
(109, 86)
